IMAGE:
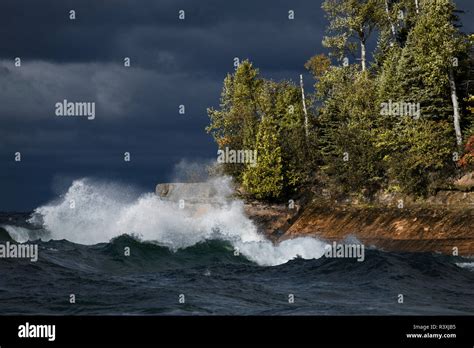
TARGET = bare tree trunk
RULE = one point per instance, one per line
(392, 26)
(362, 54)
(304, 107)
(454, 99)
(417, 7)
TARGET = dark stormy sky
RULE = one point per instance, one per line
(173, 62)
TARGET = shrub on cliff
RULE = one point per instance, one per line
(467, 160)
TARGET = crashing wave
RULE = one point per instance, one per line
(91, 212)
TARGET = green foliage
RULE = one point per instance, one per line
(292, 139)
(260, 114)
(470, 116)
(349, 20)
(357, 148)
(234, 125)
(265, 179)
(427, 59)
(347, 131)
(418, 154)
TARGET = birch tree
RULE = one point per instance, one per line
(389, 18)
(351, 23)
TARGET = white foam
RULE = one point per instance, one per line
(467, 265)
(17, 233)
(104, 211)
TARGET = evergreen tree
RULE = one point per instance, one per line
(358, 147)
(427, 69)
(418, 155)
(419, 152)
(264, 180)
(246, 88)
(348, 120)
(281, 101)
(234, 124)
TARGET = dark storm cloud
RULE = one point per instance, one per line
(173, 62)
(150, 32)
(31, 92)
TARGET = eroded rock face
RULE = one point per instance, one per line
(273, 220)
(424, 229)
(444, 223)
(438, 224)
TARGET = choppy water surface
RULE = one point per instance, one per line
(217, 260)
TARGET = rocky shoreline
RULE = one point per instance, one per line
(443, 223)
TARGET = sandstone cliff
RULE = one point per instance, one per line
(442, 223)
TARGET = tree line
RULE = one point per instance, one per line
(399, 118)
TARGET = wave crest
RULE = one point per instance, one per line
(90, 213)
